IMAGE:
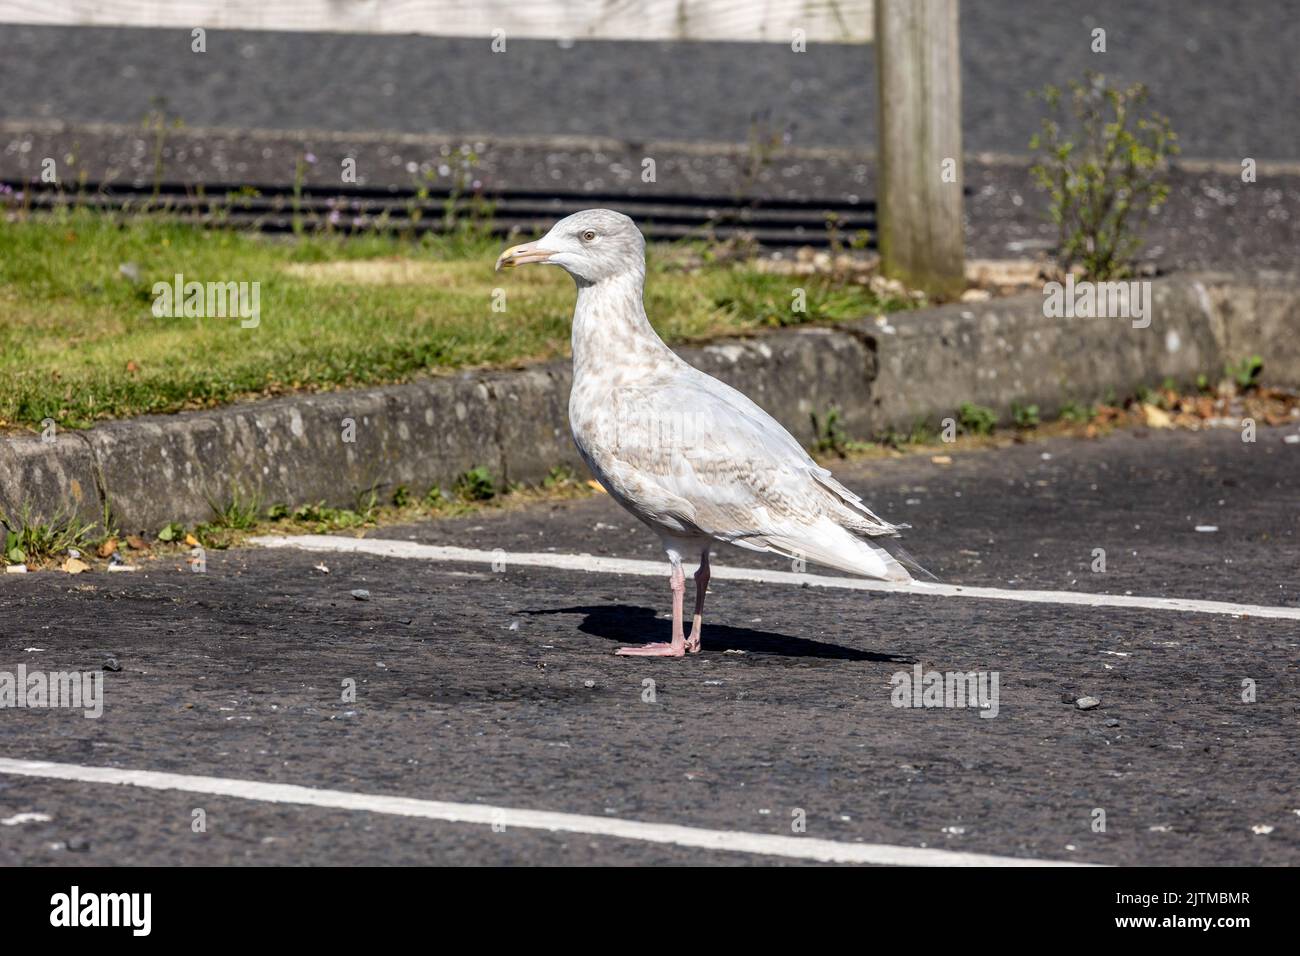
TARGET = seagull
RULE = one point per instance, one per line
(690, 456)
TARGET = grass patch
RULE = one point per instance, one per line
(475, 490)
(976, 419)
(26, 540)
(80, 342)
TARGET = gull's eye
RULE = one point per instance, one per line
(589, 235)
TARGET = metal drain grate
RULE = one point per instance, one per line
(768, 222)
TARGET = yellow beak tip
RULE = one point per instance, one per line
(518, 255)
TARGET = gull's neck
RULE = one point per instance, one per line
(610, 328)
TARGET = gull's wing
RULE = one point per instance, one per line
(873, 524)
(689, 451)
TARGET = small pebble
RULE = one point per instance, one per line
(111, 664)
(589, 683)
(1112, 722)
(1087, 703)
(361, 594)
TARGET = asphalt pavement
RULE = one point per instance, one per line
(1224, 72)
(499, 688)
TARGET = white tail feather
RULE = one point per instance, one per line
(828, 544)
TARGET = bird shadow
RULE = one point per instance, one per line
(629, 624)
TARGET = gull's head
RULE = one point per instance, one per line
(592, 245)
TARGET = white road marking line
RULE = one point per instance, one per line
(658, 569)
(799, 848)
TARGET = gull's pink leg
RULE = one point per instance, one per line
(677, 580)
(701, 588)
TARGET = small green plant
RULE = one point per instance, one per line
(1103, 167)
(831, 220)
(476, 485)
(922, 433)
(299, 178)
(108, 524)
(172, 531)
(763, 144)
(158, 123)
(976, 419)
(893, 438)
(919, 434)
(313, 511)
(1025, 416)
(558, 477)
(367, 506)
(434, 497)
(466, 213)
(1203, 383)
(402, 496)
(858, 241)
(27, 540)
(239, 513)
(830, 437)
(1246, 372)
(326, 518)
(1074, 412)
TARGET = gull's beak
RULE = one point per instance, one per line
(521, 254)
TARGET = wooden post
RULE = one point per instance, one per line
(922, 239)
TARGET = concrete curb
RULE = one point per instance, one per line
(878, 373)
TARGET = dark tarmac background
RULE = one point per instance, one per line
(1223, 72)
(502, 688)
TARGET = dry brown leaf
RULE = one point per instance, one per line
(75, 566)
(107, 548)
(192, 541)
(1156, 417)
